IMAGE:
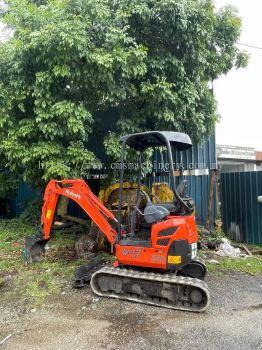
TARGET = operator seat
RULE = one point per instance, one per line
(155, 212)
(181, 190)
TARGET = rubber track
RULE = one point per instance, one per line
(151, 276)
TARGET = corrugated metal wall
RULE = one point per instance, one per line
(241, 211)
(24, 193)
(199, 187)
(200, 157)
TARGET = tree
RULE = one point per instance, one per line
(152, 60)
(189, 44)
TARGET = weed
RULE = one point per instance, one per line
(15, 230)
(35, 281)
(211, 239)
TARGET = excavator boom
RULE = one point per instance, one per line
(78, 191)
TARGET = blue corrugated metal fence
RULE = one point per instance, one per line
(241, 211)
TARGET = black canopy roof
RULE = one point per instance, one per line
(143, 140)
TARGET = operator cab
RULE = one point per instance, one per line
(152, 212)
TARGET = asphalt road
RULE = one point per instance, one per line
(78, 320)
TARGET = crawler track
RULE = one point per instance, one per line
(164, 290)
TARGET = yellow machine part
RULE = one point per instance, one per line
(109, 197)
(110, 194)
(163, 192)
(160, 189)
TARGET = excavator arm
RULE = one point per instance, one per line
(78, 191)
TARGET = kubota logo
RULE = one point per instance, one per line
(73, 194)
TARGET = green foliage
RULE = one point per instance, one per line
(188, 45)
(152, 60)
(66, 60)
(8, 180)
(15, 230)
(31, 213)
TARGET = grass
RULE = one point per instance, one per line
(34, 281)
(249, 265)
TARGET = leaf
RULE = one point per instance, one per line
(70, 61)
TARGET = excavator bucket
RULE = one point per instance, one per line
(34, 247)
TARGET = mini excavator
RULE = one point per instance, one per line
(155, 255)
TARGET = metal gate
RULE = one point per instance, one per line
(241, 206)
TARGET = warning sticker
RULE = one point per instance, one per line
(48, 213)
(174, 259)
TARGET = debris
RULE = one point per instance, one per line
(212, 245)
(84, 247)
(95, 300)
(203, 246)
(76, 219)
(204, 231)
(213, 261)
(33, 310)
(5, 339)
(246, 249)
(226, 249)
(257, 251)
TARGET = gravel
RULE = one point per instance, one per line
(79, 320)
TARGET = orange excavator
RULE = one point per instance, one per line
(156, 252)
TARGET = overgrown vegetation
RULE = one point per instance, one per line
(32, 210)
(212, 238)
(38, 280)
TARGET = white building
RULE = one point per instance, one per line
(237, 158)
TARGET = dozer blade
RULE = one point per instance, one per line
(83, 274)
(34, 247)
